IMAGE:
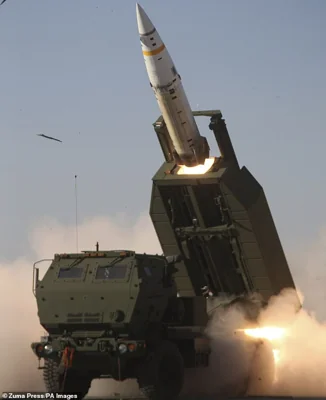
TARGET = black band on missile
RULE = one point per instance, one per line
(148, 33)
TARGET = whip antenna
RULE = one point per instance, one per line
(76, 204)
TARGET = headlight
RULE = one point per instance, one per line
(48, 349)
(122, 348)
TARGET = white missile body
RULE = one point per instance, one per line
(190, 147)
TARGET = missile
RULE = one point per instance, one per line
(190, 148)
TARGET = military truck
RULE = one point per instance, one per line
(120, 314)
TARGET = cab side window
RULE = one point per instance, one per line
(110, 273)
(68, 272)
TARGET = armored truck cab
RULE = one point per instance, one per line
(105, 311)
(112, 290)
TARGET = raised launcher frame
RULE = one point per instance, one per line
(219, 221)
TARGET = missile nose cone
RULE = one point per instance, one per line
(144, 23)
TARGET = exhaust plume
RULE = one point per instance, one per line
(302, 350)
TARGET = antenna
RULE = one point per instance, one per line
(76, 198)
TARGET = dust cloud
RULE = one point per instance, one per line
(302, 363)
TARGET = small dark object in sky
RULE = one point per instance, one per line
(2, 2)
(49, 137)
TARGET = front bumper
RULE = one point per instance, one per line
(100, 347)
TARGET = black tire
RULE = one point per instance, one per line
(262, 371)
(57, 381)
(161, 376)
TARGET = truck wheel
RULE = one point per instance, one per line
(161, 375)
(56, 381)
(262, 371)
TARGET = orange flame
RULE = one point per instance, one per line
(270, 333)
(198, 170)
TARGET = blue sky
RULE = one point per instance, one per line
(74, 70)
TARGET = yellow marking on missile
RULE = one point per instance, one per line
(154, 52)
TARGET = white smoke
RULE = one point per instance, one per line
(303, 350)
(302, 363)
